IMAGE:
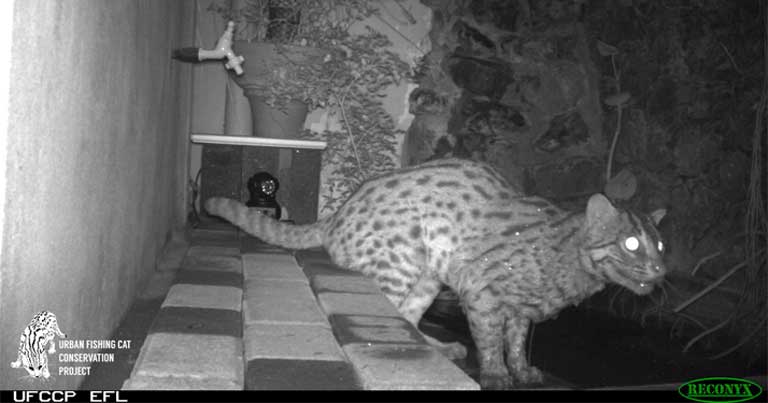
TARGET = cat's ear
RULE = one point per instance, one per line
(600, 210)
(658, 215)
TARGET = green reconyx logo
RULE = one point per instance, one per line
(720, 389)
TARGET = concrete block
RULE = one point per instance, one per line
(180, 383)
(327, 268)
(222, 262)
(198, 321)
(225, 238)
(193, 355)
(269, 266)
(210, 277)
(272, 374)
(204, 296)
(303, 342)
(278, 301)
(347, 284)
(334, 303)
(249, 244)
(202, 250)
(315, 255)
(405, 367)
(373, 329)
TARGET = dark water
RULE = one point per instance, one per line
(588, 348)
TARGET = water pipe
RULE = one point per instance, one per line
(222, 50)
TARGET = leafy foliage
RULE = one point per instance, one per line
(349, 82)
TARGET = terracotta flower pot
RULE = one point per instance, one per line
(264, 63)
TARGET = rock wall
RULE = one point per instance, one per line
(513, 84)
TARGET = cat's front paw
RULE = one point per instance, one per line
(496, 382)
(528, 375)
(452, 351)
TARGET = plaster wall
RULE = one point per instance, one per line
(95, 164)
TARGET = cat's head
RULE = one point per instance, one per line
(624, 247)
(34, 364)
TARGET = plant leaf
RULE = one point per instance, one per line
(622, 186)
(605, 49)
(617, 99)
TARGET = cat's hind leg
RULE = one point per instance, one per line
(411, 295)
(413, 306)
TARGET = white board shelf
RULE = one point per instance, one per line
(257, 141)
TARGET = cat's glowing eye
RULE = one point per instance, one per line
(631, 244)
(660, 246)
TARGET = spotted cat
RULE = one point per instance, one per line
(511, 259)
(32, 355)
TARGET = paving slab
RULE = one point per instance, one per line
(270, 266)
(210, 277)
(204, 296)
(327, 268)
(276, 374)
(215, 224)
(217, 262)
(180, 383)
(279, 301)
(249, 244)
(303, 342)
(202, 250)
(337, 303)
(351, 329)
(198, 321)
(204, 237)
(405, 367)
(314, 255)
(343, 283)
(197, 356)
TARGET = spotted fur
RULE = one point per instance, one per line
(32, 355)
(511, 259)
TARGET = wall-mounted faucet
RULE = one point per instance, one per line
(222, 50)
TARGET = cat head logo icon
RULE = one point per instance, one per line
(40, 333)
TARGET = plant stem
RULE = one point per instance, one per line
(349, 129)
(616, 78)
(613, 143)
(714, 285)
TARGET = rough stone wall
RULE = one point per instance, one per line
(513, 84)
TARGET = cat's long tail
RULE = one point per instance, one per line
(287, 235)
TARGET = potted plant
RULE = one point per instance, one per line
(311, 60)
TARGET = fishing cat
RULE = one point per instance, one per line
(511, 259)
(39, 333)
